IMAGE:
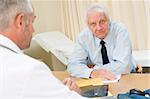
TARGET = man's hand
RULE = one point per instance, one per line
(102, 73)
(72, 85)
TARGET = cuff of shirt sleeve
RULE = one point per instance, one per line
(87, 73)
(91, 74)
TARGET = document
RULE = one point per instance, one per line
(105, 81)
(96, 81)
(89, 82)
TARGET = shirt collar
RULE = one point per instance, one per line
(97, 40)
(106, 39)
(4, 41)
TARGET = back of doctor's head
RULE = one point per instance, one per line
(10, 8)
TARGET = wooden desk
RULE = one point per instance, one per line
(130, 81)
(127, 82)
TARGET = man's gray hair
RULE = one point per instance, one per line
(10, 8)
(99, 8)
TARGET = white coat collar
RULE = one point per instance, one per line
(8, 44)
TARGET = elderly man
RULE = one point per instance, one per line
(103, 49)
(20, 75)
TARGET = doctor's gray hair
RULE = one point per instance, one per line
(9, 9)
(99, 8)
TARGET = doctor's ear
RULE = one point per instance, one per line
(19, 20)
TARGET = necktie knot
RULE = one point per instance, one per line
(102, 42)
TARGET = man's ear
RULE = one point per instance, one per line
(19, 20)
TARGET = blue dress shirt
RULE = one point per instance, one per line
(88, 51)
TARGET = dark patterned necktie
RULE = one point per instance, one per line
(104, 53)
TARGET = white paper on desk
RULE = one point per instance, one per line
(105, 81)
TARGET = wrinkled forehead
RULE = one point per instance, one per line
(96, 13)
(96, 16)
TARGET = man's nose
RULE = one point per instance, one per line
(98, 27)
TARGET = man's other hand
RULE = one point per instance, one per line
(102, 73)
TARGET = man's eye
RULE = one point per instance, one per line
(93, 24)
(102, 21)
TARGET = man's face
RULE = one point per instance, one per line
(27, 31)
(98, 24)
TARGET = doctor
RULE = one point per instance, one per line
(20, 75)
